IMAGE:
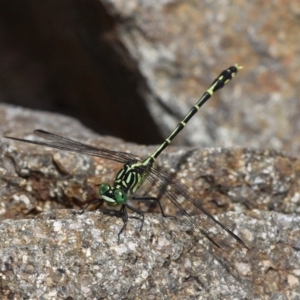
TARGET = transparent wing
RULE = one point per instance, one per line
(179, 196)
(62, 143)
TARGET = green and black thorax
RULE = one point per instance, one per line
(132, 175)
(127, 182)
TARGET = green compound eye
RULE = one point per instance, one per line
(120, 196)
(103, 188)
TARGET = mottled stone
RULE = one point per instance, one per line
(74, 255)
(62, 253)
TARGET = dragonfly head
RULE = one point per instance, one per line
(112, 196)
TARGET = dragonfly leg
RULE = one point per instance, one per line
(138, 212)
(92, 202)
(125, 217)
(145, 198)
(123, 211)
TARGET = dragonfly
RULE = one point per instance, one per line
(135, 171)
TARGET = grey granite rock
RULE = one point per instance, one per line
(62, 254)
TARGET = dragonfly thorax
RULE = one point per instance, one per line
(131, 176)
(112, 195)
(127, 181)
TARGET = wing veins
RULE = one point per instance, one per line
(62, 143)
(161, 179)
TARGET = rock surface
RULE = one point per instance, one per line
(61, 254)
(176, 45)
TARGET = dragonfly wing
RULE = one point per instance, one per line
(62, 143)
(176, 192)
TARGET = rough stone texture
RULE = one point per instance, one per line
(180, 46)
(60, 253)
(63, 254)
(91, 58)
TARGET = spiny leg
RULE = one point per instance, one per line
(146, 198)
(138, 212)
(125, 220)
(125, 217)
